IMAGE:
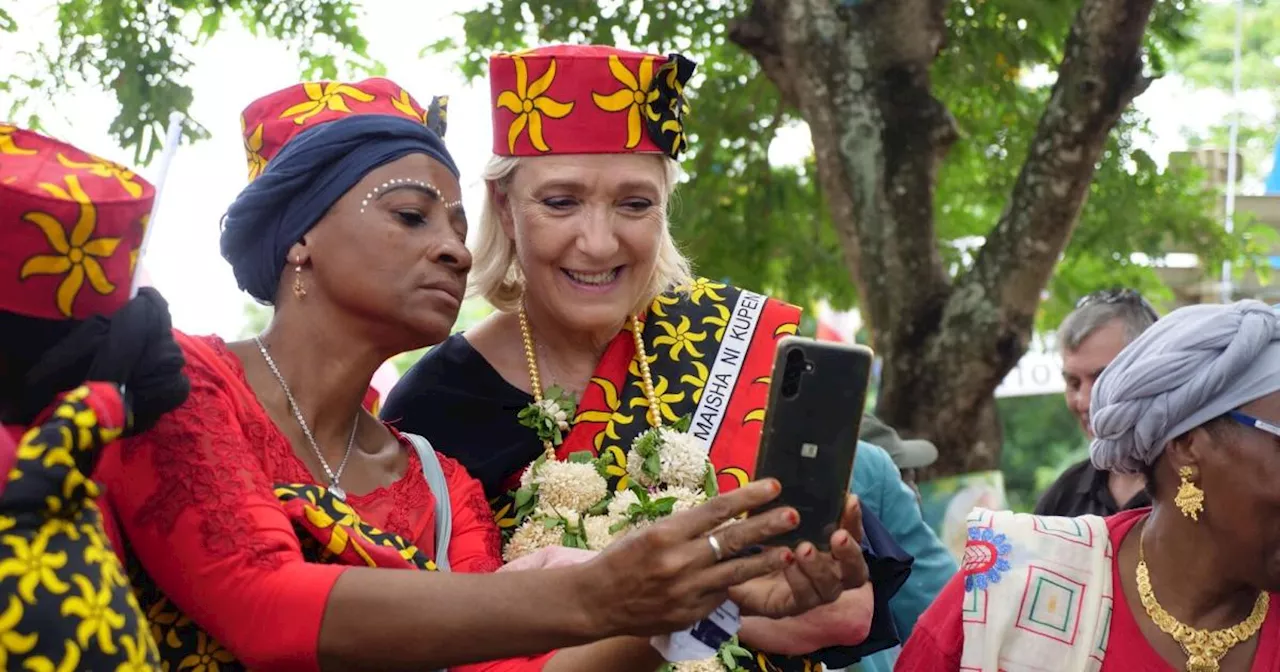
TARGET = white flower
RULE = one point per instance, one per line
(684, 462)
(686, 498)
(620, 503)
(635, 469)
(531, 536)
(681, 461)
(570, 517)
(598, 534)
(708, 665)
(569, 486)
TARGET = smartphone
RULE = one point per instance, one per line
(816, 398)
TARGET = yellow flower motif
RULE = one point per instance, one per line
(720, 322)
(34, 565)
(7, 523)
(77, 256)
(165, 622)
(12, 642)
(209, 656)
(7, 145)
(405, 105)
(680, 338)
(253, 149)
(97, 618)
(659, 305)
(529, 103)
(135, 655)
(330, 97)
(70, 660)
(633, 367)
(618, 469)
(665, 399)
(503, 517)
(757, 415)
(788, 329)
(613, 418)
(101, 167)
(633, 97)
(698, 380)
(736, 474)
(704, 287)
(99, 554)
(144, 222)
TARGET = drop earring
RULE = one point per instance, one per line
(298, 289)
(1190, 498)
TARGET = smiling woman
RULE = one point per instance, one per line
(270, 518)
(614, 387)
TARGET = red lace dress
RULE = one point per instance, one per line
(232, 545)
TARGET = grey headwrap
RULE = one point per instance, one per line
(1193, 365)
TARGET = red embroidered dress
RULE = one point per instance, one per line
(234, 546)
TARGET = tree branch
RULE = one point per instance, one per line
(859, 74)
(1099, 77)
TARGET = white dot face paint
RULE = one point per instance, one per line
(373, 193)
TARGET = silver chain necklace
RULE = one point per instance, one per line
(297, 414)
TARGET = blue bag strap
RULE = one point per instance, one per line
(440, 490)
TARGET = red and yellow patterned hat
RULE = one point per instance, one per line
(271, 121)
(588, 100)
(71, 226)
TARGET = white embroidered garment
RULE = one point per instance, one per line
(1037, 593)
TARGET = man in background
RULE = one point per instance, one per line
(1102, 324)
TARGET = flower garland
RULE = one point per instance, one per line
(569, 502)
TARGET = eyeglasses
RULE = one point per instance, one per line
(1120, 295)
(1250, 421)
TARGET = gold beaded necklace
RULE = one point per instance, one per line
(642, 360)
(1204, 648)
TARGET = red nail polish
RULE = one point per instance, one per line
(788, 557)
(808, 552)
(793, 517)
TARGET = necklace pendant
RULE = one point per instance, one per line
(1202, 663)
(337, 491)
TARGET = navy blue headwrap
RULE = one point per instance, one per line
(303, 181)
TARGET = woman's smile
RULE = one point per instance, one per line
(594, 281)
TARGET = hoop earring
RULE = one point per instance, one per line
(298, 289)
(1190, 498)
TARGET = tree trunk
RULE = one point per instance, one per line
(858, 72)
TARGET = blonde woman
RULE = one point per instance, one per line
(603, 341)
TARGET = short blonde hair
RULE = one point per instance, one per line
(496, 274)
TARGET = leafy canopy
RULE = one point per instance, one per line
(139, 50)
(764, 225)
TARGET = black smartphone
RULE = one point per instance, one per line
(816, 399)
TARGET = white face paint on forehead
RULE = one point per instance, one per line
(373, 193)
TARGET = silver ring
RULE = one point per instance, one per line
(715, 547)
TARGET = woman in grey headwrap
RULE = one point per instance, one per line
(1194, 403)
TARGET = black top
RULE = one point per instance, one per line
(1082, 490)
(451, 394)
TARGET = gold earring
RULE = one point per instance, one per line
(1190, 498)
(298, 290)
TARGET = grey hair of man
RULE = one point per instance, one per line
(1082, 322)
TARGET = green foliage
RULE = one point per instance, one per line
(139, 50)
(1206, 63)
(1206, 59)
(766, 226)
(1041, 438)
